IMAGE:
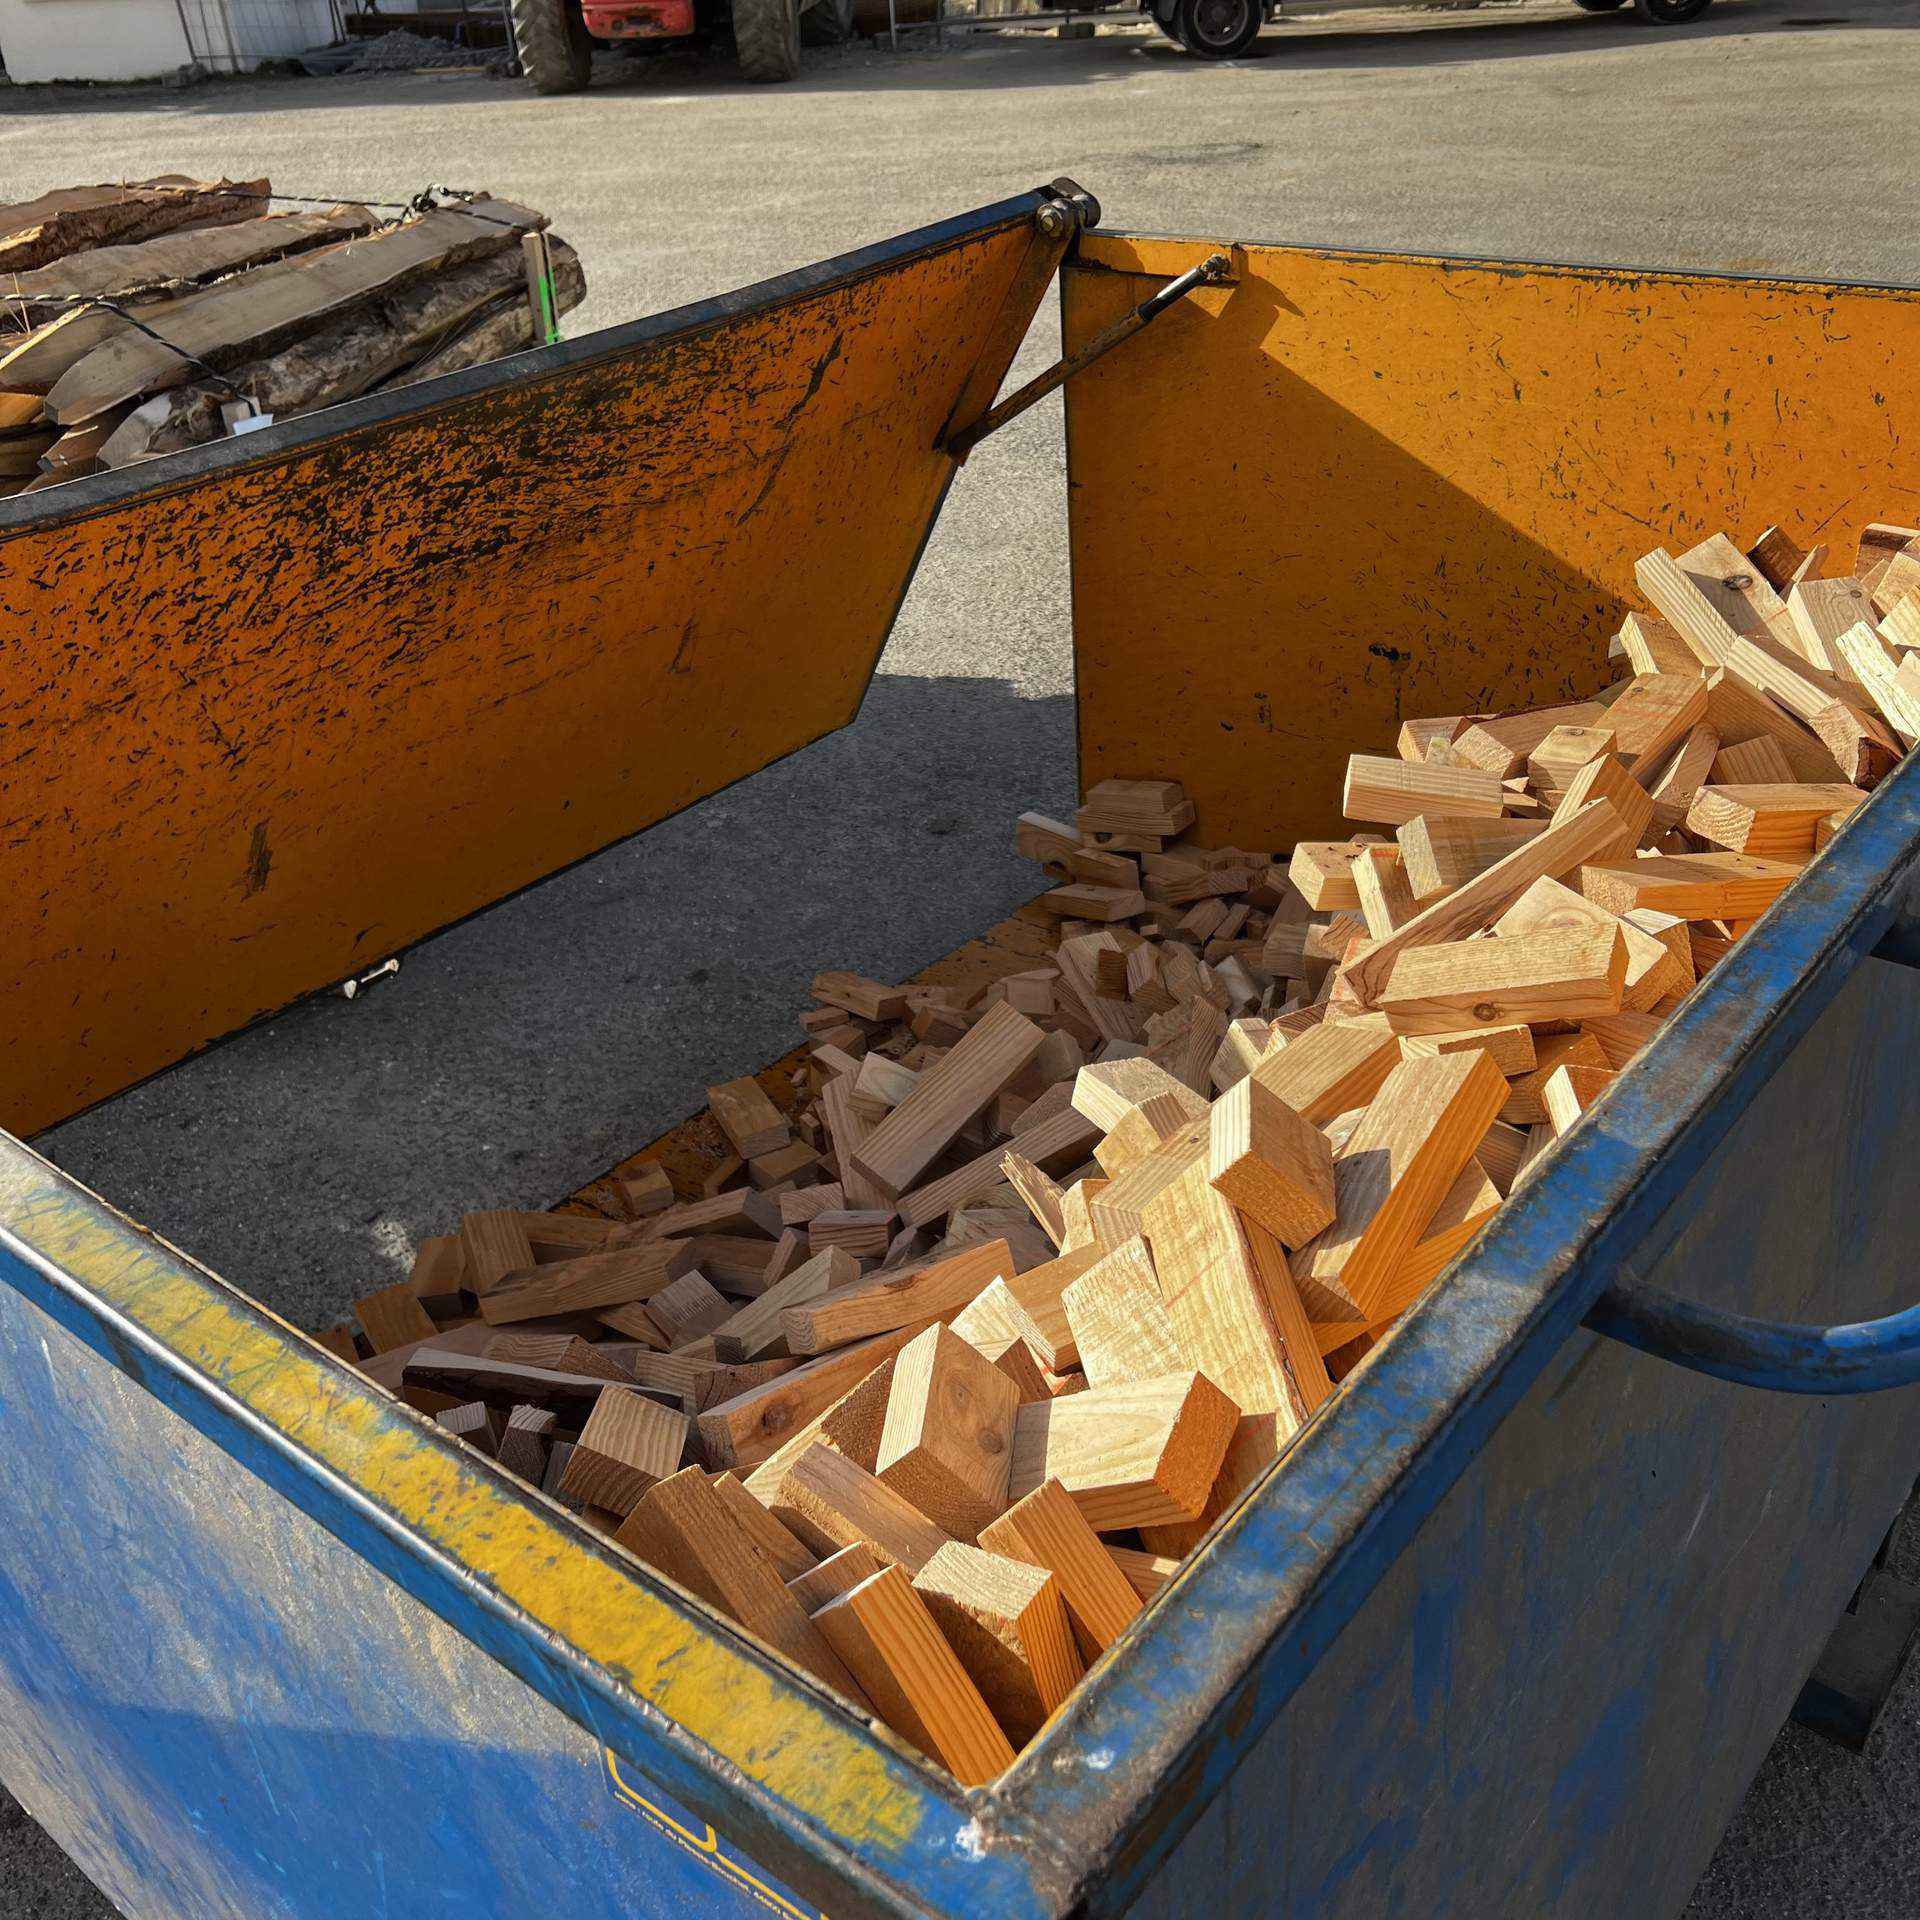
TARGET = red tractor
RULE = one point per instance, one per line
(555, 39)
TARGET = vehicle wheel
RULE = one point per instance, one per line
(827, 23)
(1599, 6)
(1217, 29)
(1165, 18)
(554, 47)
(766, 38)
(1670, 13)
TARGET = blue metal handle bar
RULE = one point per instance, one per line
(1863, 1357)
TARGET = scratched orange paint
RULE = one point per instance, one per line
(261, 730)
(1350, 488)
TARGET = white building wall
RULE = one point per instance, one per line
(91, 39)
(147, 39)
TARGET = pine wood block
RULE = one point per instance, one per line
(738, 1210)
(523, 1444)
(885, 1301)
(1653, 645)
(1857, 740)
(439, 1275)
(588, 1282)
(799, 1208)
(744, 1431)
(1511, 1047)
(1270, 1163)
(1738, 712)
(1084, 900)
(1606, 778)
(1390, 791)
(1386, 897)
(1415, 736)
(962, 1082)
(747, 1117)
(994, 1318)
(1877, 666)
(828, 1501)
(1819, 611)
(884, 1634)
(1525, 1104)
(1547, 907)
(1673, 783)
(1901, 625)
(946, 1445)
(864, 998)
(1117, 1211)
(1120, 1325)
(838, 1573)
(1654, 714)
(1323, 871)
(1470, 1202)
(1570, 1091)
(474, 1422)
(687, 1309)
(1108, 1090)
(1046, 1139)
(856, 1422)
(1418, 1133)
(644, 1189)
(1330, 1068)
(1902, 577)
(1039, 1193)
(1701, 624)
(1153, 808)
(1564, 846)
(1131, 1455)
(1752, 763)
(1806, 692)
(1776, 558)
(628, 1443)
(1564, 752)
(1039, 1290)
(1007, 1622)
(1501, 743)
(1047, 1529)
(1695, 886)
(480, 1375)
(1559, 974)
(754, 1331)
(495, 1244)
(1771, 821)
(1879, 543)
(392, 1316)
(1622, 1035)
(689, 1531)
(559, 1353)
(558, 1457)
(1146, 1572)
(847, 1132)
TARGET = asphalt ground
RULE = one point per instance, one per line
(519, 1055)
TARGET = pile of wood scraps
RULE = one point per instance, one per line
(141, 318)
(970, 1336)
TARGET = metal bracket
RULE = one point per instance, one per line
(1212, 271)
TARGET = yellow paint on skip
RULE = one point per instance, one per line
(773, 1732)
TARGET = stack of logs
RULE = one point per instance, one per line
(950, 1362)
(218, 311)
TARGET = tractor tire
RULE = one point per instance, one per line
(827, 23)
(552, 42)
(766, 38)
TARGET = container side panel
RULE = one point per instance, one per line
(220, 1710)
(269, 724)
(1555, 1698)
(1350, 488)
